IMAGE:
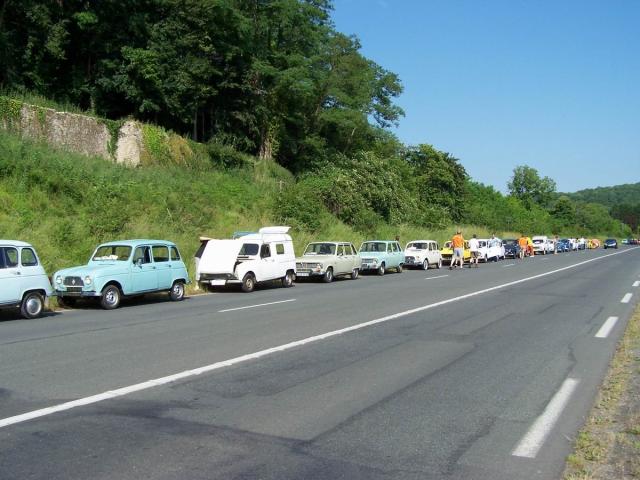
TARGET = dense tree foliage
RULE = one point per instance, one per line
(527, 185)
(609, 196)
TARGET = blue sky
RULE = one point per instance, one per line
(553, 84)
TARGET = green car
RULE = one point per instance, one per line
(381, 255)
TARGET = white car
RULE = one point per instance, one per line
(328, 260)
(247, 259)
(542, 244)
(491, 249)
(423, 254)
(23, 280)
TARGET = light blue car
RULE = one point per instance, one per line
(23, 281)
(124, 268)
(381, 255)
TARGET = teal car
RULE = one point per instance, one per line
(124, 268)
(381, 255)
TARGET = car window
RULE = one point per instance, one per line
(279, 248)
(249, 249)
(112, 252)
(160, 253)
(396, 247)
(348, 250)
(175, 254)
(320, 249)
(28, 258)
(11, 257)
(372, 247)
(142, 254)
(265, 251)
(341, 250)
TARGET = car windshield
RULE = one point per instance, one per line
(418, 246)
(373, 247)
(537, 240)
(447, 245)
(118, 253)
(510, 242)
(320, 249)
(249, 249)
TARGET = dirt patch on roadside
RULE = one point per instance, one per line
(608, 446)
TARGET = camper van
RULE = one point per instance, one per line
(247, 259)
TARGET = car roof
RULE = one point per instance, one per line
(14, 243)
(421, 241)
(379, 241)
(331, 241)
(137, 241)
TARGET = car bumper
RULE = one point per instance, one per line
(309, 273)
(83, 293)
(369, 266)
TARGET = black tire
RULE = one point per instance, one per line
(425, 264)
(248, 283)
(111, 297)
(32, 305)
(176, 293)
(486, 259)
(381, 269)
(287, 280)
(439, 264)
(399, 268)
(355, 273)
(66, 302)
(328, 275)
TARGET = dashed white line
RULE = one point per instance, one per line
(626, 298)
(509, 265)
(262, 353)
(438, 276)
(256, 306)
(636, 283)
(535, 437)
(606, 327)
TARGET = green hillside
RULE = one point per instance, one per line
(609, 196)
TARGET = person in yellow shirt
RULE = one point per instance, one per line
(530, 247)
(457, 242)
(522, 242)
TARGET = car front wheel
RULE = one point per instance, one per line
(328, 275)
(32, 305)
(177, 291)
(381, 270)
(110, 297)
(248, 283)
(425, 265)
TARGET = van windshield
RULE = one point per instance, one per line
(112, 253)
(249, 249)
(320, 249)
(418, 246)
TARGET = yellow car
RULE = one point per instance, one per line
(447, 252)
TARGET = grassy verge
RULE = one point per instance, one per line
(608, 446)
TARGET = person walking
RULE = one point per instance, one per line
(457, 242)
(522, 242)
(555, 245)
(474, 247)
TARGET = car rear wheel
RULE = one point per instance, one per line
(399, 268)
(354, 273)
(248, 283)
(110, 297)
(177, 291)
(328, 275)
(287, 280)
(32, 305)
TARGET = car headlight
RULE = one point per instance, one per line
(59, 280)
(87, 280)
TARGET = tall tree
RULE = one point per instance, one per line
(527, 185)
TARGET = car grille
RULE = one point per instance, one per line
(410, 259)
(73, 289)
(73, 282)
(215, 276)
(368, 260)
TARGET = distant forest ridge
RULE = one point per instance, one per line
(628, 193)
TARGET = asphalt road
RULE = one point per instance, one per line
(485, 373)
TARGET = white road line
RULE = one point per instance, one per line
(626, 298)
(262, 353)
(636, 283)
(256, 306)
(606, 327)
(531, 443)
(438, 276)
(509, 265)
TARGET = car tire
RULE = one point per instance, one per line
(486, 259)
(328, 275)
(355, 273)
(176, 293)
(111, 297)
(439, 264)
(32, 305)
(425, 265)
(399, 268)
(248, 283)
(381, 269)
(66, 302)
(287, 280)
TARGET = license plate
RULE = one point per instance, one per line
(302, 274)
(217, 283)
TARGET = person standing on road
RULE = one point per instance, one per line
(555, 245)
(474, 247)
(457, 242)
(522, 242)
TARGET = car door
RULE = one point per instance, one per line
(32, 272)
(9, 275)
(352, 259)
(144, 276)
(163, 264)
(343, 263)
(268, 267)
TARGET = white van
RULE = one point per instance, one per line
(247, 259)
(541, 244)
